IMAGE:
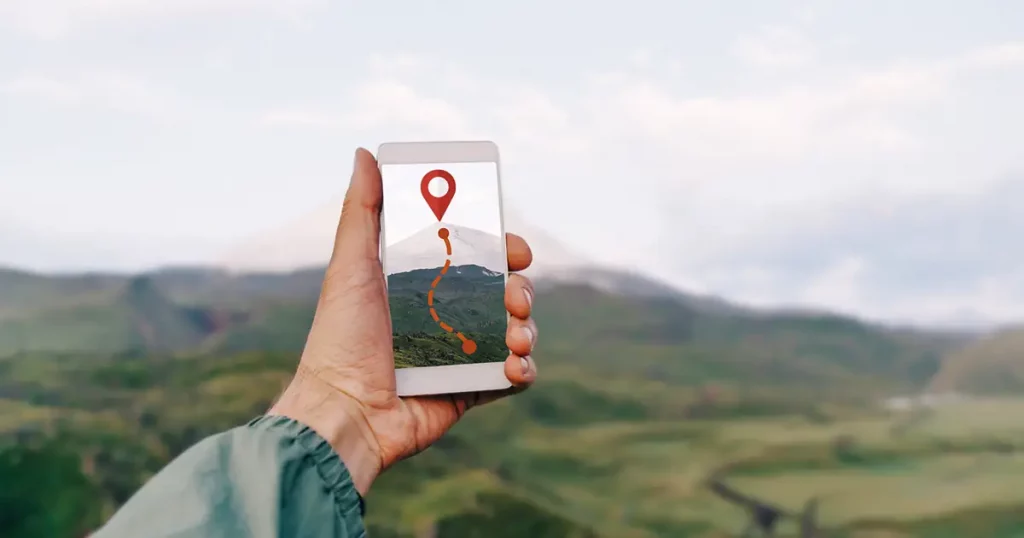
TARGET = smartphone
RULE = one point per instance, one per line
(444, 257)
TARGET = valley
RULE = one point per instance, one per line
(643, 397)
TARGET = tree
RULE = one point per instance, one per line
(45, 494)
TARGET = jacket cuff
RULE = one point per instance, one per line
(329, 466)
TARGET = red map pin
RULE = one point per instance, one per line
(438, 204)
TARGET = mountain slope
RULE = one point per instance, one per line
(135, 317)
(612, 322)
(468, 297)
(667, 340)
(306, 242)
(23, 291)
(426, 249)
(992, 365)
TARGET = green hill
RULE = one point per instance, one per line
(667, 340)
(23, 292)
(661, 334)
(134, 317)
(992, 365)
(644, 393)
(468, 297)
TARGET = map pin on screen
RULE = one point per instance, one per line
(438, 204)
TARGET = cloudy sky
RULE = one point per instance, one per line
(858, 155)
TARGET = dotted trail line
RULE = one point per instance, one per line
(468, 346)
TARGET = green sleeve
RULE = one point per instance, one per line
(272, 477)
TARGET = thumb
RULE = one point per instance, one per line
(353, 287)
(358, 236)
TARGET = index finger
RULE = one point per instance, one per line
(519, 254)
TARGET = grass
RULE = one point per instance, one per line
(620, 475)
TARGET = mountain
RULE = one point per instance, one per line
(630, 283)
(668, 340)
(306, 242)
(218, 287)
(645, 391)
(426, 249)
(992, 365)
(132, 316)
(469, 298)
(619, 322)
(22, 292)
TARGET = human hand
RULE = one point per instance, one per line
(344, 387)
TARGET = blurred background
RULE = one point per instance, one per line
(778, 252)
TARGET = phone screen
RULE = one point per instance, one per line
(445, 262)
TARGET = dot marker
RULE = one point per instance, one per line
(438, 204)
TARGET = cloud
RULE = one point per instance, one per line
(839, 284)
(111, 90)
(407, 96)
(775, 47)
(860, 112)
(708, 189)
(386, 103)
(55, 18)
(940, 258)
(298, 117)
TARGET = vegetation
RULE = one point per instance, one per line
(53, 497)
(994, 364)
(640, 401)
(468, 298)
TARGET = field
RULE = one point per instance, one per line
(569, 458)
(647, 479)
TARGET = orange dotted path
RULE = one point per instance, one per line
(468, 346)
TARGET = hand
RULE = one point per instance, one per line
(344, 387)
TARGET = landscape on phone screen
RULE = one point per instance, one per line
(445, 262)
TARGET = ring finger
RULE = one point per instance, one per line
(521, 336)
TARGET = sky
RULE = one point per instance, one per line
(474, 205)
(862, 156)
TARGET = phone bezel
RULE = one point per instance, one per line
(457, 378)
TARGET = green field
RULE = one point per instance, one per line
(574, 458)
(639, 479)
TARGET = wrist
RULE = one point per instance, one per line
(335, 417)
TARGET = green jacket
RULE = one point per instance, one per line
(270, 478)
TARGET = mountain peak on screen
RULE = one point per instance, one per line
(306, 242)
(425, 249)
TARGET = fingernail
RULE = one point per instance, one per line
(355, 160)
(529, 334)
(525, 363)
(529, 296)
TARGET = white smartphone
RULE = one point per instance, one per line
(443, 252)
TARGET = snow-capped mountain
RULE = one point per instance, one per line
(425, 250)
(306, 242)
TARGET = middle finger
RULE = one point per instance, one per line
(519, 296)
